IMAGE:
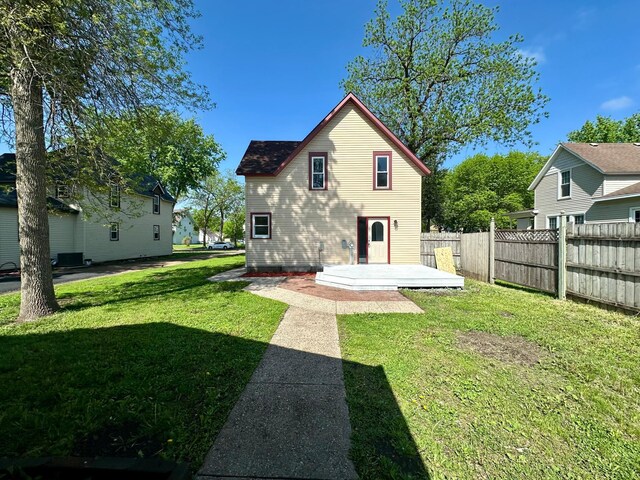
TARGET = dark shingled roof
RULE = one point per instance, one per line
(8, 168)
(612, 158)
(142, 184)
(11, 200)
(263, 157)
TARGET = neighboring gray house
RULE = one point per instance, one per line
(119, 226)
(590, 182)
(183, 226)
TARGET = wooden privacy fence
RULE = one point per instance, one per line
(596, 262)
(429, 241)
(474, 255)
(603, 263)
(527, 257)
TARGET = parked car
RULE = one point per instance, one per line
(220, 246)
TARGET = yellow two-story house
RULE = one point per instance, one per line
(349, 193)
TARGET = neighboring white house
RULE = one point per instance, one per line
(127, 226)
(590, 183)
(183, 226)
(349, 182)
(211, 237)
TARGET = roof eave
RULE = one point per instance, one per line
(375, 120)
(616, 197)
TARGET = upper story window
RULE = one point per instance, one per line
(382, 170)
(565, 184)
(62, 191)
(156, 204)
(114, 196)
(317, 171)
(260, 225)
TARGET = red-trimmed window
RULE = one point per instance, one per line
(261, 225)
(382, 170)
(317, 170)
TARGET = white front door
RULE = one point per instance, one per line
(378, 240)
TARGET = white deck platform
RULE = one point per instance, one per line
(386, 277)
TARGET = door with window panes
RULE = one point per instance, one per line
(378, 240)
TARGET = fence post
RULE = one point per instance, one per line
(492, 251)
(562, 257)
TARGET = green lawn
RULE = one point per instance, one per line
(141, 364)
(494, 382)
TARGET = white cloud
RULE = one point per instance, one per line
(535, 53)
(618, 103)
(584, 17)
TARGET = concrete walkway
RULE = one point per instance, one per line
(292, 420)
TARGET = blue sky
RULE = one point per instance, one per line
(273, 67)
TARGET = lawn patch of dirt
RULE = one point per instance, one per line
(510, 349)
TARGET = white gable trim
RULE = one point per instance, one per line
(552, 159)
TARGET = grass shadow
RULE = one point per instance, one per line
(165, 390)
(146, 390)
(382, 444)
(524, 288)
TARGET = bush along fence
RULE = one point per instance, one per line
(594, 262)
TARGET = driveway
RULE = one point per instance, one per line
(64, 275)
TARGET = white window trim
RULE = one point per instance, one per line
(116, 196)
(156, 197)
(560, 172)
(154, 232)
(117, 232)
(571, 217)
(61, 187)
(549, 217)
(385, 171)
(632, 214)
(253, 225)
(324, 172)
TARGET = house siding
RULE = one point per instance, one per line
(302, 218)
(90, 234)
(613, 183)
(9, 247)
(613, 210)
(184, 228)
(136, 221)
(586, 182)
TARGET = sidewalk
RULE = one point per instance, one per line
(292, 419)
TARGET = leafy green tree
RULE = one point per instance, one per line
(439, 80)
(234, 227)
(608, 130)
(64, 63)
(216, 197)
(161, 143)
(482, 187)
(204, 219)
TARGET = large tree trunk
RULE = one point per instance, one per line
(37, 296)
(221, 225)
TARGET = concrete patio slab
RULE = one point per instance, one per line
(386, 277)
